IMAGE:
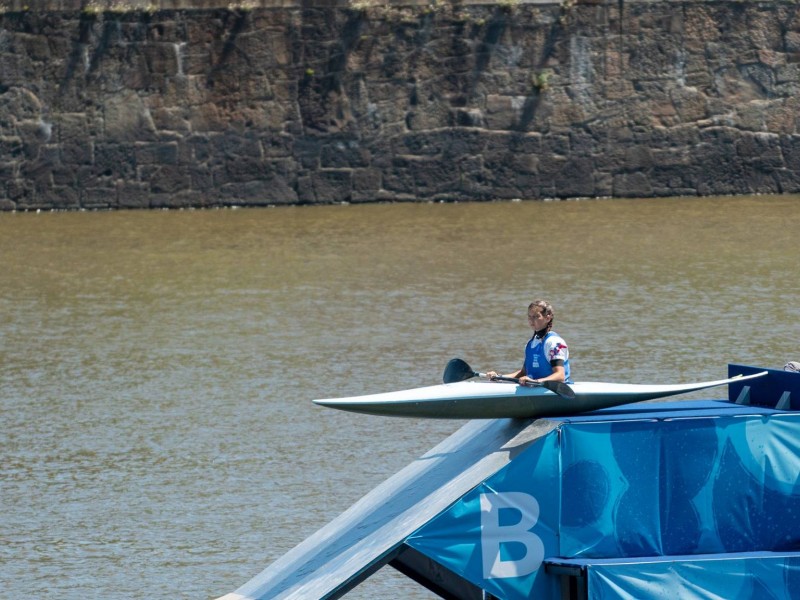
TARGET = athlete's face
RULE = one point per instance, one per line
(536, 319)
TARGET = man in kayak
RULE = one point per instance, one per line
(546, 354)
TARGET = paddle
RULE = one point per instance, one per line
(458, 370)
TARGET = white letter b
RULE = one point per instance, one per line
(493, 534)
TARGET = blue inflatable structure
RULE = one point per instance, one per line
(691, 499)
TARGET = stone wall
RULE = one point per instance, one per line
(134, 106)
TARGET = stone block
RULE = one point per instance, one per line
(344, 154)
(154, 153)
(305, 190)
(201, 177)
(20, 102)
(162, 200)
(133, 195)
(791, 41)
(59, 198)
(19, 190)
(166, 179)
(637, 157)
(575, 179)
(399, 177)
(502, 112)
(762, 151)
(436, 176)
(161, 58)
(278, 145)
(467, 117)
(788, 181)
(98, 198)
(670, 157)
(333, 185)
(526, 163)
(632, 185)
(71, 126)
(423, 143)
(126, 119)
(77, 152)
(690, 104)
(207, 118)
(434, 116)
(247, 169)
(171, 119)
(118, 160)
(258, 193)
(11, 149)
(33, 134)
(470, 142)
(366, 185)
(307, 151)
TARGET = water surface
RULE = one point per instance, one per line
(157, 367)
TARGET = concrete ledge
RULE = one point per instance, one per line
(122, 6)
(152, 6)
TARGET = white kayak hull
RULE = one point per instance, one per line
(494, 400)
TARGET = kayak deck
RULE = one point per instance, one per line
(490, 400)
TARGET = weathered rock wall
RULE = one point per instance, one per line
(124, 108)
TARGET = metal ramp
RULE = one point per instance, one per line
(370, 534)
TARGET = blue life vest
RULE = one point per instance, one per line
(536, 363)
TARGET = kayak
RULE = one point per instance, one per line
(495, 400)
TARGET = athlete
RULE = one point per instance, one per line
(546, 354)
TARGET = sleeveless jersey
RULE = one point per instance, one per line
(539, 353)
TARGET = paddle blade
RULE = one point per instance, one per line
(560, 388)
(457, 370)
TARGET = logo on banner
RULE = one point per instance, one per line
(506, 522)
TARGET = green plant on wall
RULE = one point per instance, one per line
(92, 8)
(540, 79)
(363, 5)
(118, 7)
(566, 11)
(508, 5)
(242, 6)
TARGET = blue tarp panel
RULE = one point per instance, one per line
(763, 576)
(627, 486)
(498, 535)
(686, 486)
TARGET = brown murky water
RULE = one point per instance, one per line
(158, 437)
